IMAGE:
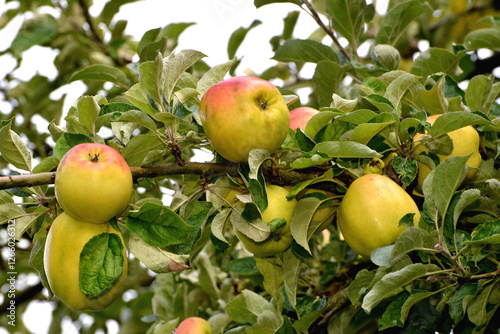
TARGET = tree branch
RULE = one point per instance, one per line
(190, 168)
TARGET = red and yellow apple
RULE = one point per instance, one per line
(244, 113)
(465, 141)
(281, 239)
(65, 241)
(194, 325)
(300, 116)
(93, 183)
(370, 213)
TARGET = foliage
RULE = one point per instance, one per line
(438, 277)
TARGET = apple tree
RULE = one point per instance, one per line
(377, 78)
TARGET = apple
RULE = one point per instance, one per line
(300, 116)
(243, 113)
(465, 141)
(93, 183)
(194, 325)
(281, 239)
(66, 238)
(370, 212)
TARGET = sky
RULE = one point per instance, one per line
(215, 22)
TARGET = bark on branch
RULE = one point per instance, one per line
(162, 170)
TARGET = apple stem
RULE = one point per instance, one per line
(94, 158)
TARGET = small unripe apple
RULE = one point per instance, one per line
(194, 325)
(244, 113)
(93, 183)
(300, 116)
(65, 242)
(280, 240)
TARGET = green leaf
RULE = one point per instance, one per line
(215, 75)
(138, 117)
(137, 149)
(158, 225)
(67, 141)
(478, 311)
(481, 93)
(358, 287)
(459, 302)
(291, 265)
(102, 73)
(301, 219)
(88, 110)
(392, 314)
(346, 149)
(152, 78)
(436, 60)
(272, 270)
(455, 120)
(305, 50)
(434, 99)
(37, 30)
(310, 159)
(413, 299)
(398, 87)
(318, 122)
(412, 239)
(306, 320)
(174, 66)
(393, 281)
(207, 275)
(363, 133)
(101, 264)
(242, 266)
(488, 38)
(237, 38)
(13, 148)
(326, 79)
(348, 18)
(486, 234)
(255, 229)
(36, 262)
(397, 19)
(406, 169)
(246, 307)
(155, 258)
(447, 177)
(138, 95)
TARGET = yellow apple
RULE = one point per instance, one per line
(93, 183)
(65, 241)
(465, 141)
(244, 113)
(281, 239)
(194, 325)
(370, 212)
(300, 116)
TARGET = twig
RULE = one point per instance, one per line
(328, 31)
(161, 170)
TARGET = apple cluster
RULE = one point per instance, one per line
(245, 113)
(93, 185)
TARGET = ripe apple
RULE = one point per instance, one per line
(280, 240)
(194, 325)
(300, 116)
(65, 241)
(93, 183)
(244, 113)
(465, 141)
(370, 212)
